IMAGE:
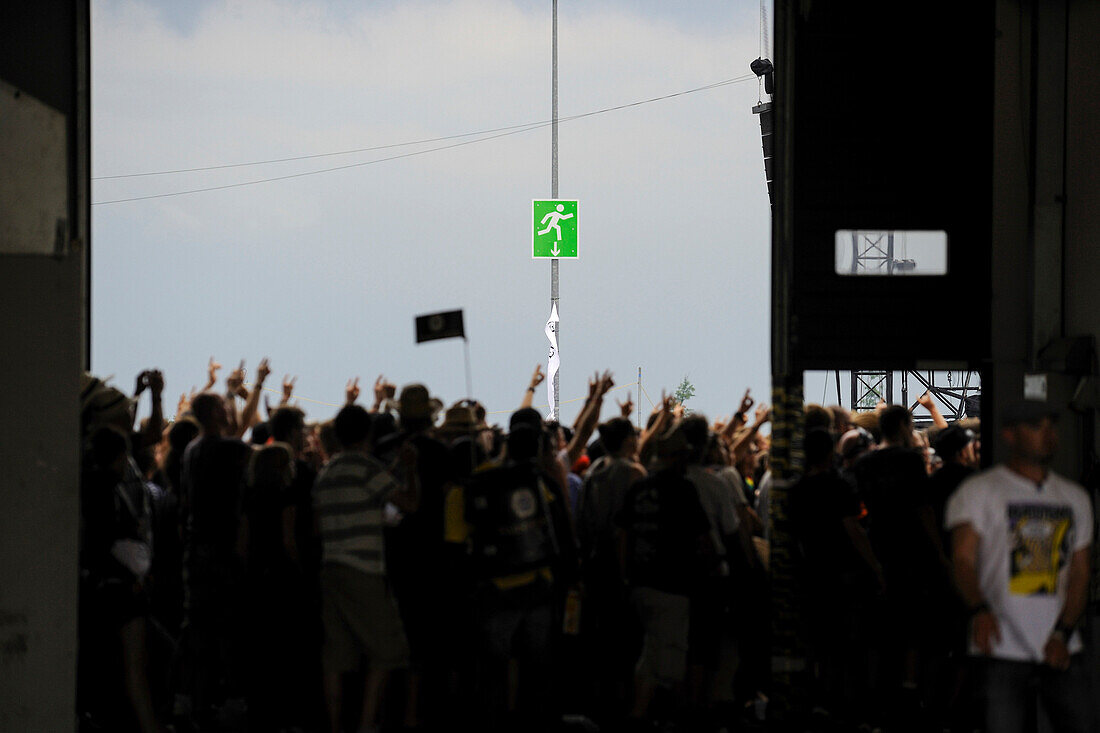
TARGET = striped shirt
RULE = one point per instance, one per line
(348, 498)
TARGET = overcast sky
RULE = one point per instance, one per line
(325, 273)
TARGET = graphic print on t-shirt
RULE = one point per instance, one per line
(1042, 537)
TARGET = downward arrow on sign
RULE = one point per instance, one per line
(555, 251)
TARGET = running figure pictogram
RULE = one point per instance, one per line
(554, 217)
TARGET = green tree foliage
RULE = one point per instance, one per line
(685, 391)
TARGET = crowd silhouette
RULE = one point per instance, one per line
(408, 566)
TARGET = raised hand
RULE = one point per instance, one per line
(212, 368)
(184, 404)
(351, 391)
(288, 388)
(925, 400)
(605, 383)
(142, 383)
(668, 403)
(154, 378)
(746, 403)
(383, 391)
(626, 408)
(536, 378)
(235, 380)
(262, 371)
(763, 414)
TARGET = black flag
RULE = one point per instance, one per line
(439, 326)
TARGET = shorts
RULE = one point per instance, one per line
(359, 617)
(664, 618)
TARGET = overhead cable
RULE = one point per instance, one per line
(499, 133)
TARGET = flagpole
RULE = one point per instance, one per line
(555, 402)
(469, 380)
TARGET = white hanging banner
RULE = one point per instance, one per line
(555, 360)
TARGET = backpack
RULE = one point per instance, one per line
(509, 518)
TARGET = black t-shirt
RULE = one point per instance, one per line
(665, 523)
(415, 546)
(263, 504)
(942, 485)
(305, 534)
(213, 478)
(817, 506)
(893, 484)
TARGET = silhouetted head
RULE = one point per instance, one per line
(353, 424)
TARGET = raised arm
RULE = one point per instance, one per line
(212, 368)
(738, 420)
(536, 380)
(383, 391)
(926, 401)
(252, 402)
(742, 444)
(234, 383)
(663, 411)
(589, 418)
(351, 391)
(288, 389)
(152, 379)
(593, 388)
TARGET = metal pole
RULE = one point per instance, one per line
(469, 380)
(554, 195)
(639, 398)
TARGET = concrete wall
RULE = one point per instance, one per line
(1082, 222)
(1046, 210)
(43, 54)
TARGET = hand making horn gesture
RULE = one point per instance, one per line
(746, 403)
(235, 381)
(262, 371)
(288, 387)
(383, 391)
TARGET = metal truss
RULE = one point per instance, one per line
(869, 386)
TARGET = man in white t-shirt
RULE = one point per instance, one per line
(1021, 538)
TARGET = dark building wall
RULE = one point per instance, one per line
(1046, 209)
(43, 55)
(1082, 227)
(1083, 169)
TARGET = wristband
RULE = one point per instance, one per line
(982, 607)
(530, 389)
